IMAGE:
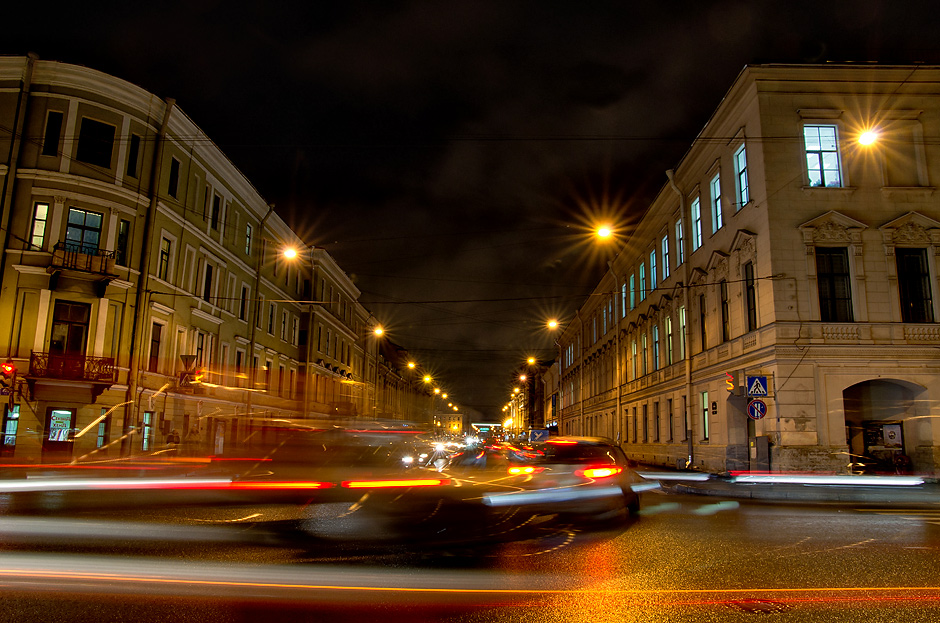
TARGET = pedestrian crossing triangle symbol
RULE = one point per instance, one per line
(757, 386)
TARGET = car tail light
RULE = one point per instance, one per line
(602, 471)
(562, 442)
(389, 484)
(524, 470)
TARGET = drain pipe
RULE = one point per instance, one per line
(687, 329)
(16, 144)
(143, 279)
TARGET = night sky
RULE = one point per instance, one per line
(453, 156)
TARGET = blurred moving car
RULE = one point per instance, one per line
(580, 478)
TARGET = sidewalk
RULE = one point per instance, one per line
(800, 488)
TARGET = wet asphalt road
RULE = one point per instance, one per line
(685, 558)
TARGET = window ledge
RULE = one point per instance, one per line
(892, 192)
(835, 192)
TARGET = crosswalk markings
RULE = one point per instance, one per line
(910, 514)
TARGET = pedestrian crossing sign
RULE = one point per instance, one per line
(757, 386)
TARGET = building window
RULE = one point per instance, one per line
(668, 340)
(156, 337)
(834, 284)
(680, 244)
(696, 223)
(646, 424)
(50, 140)
(655, 347)
(914, 285)
(103, 426)
(243, 303)
(207, 284)
(123, 237)
(284, 325)
(652, 270)
(632, 291)
(664, 244)
(715, 188)
(248, 239)
(636, 368)
(645, 359)
(83, 231)
(642, 281)
(634, 425)
(671, 416)
(147, 432)
(200, 348)
(740, 173)
(656, 423)
(725, 311)
(217, 212)
(822, 155)
(682, 327)
(163, 270)
(750, 296)
(239, 365)
(272, 314)
(623, 300)
(38, 232)
(295, 331)
(95, 143)
(701, 322)
(705, 416)
(133, 157)
(173, 182)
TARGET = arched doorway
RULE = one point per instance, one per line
(881, 425)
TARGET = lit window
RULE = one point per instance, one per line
(40, 215)
(715, 187)
(740, 172)
(665, 248)
(642, 281)
(696, 223)
(822, 155)
(83, 231)
(680, 244)
(632, 291)
(652, 270)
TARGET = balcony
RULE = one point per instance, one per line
(82, 261)
(57, 376)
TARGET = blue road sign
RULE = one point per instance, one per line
(756, 409)
(757, 386)
(539, 434)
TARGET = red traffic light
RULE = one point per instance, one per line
(7, 369)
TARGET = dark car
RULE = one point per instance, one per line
(575, 477)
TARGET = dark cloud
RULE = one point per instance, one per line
(455, 151)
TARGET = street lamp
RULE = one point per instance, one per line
(868, 137)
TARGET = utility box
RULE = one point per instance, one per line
(759, 453)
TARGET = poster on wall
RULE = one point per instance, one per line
(892, 436)
(60, 423)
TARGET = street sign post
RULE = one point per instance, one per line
(757, 386)
(756, 409)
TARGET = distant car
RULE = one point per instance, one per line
(581, 478)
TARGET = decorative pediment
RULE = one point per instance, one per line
(665, 303)
(718, 265)
(745, 243)
(832, 227)
(912, 228)
(678, 292)
(698, 277)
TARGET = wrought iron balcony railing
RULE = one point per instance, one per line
(72, 367)
(82, 257)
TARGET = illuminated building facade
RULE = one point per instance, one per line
(776, 307)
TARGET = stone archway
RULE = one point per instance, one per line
(882, 426)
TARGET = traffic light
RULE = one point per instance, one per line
(733, 383)
(8, 380)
